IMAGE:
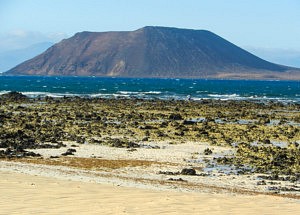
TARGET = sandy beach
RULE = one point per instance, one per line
(27, 194)
(91, 156)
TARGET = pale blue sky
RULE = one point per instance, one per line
(267, 24)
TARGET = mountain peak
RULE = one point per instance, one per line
(151, 51)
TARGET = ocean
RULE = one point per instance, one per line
(195, 89)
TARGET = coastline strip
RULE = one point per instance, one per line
(25, 194)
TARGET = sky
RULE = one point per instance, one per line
(268, 27)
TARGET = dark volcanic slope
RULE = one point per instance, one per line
(149, 52)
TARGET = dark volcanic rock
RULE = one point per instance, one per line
(177, 179)
(207, 151)
(17, 153)
(168, 173)
(189, 122)
(151, 52)
(13, 96)
(188, 171)
(122, 144)
(69, 152)
(175, 116)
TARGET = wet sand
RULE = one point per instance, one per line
(27, 194)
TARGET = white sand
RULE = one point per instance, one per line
(41, 189)
(27, 194)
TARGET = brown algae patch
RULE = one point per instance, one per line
(90, 163)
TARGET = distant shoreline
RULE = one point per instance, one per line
(281, 76)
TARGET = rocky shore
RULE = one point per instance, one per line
(235, 146)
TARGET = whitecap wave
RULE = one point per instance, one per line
(127, 92)
(153, 92)
(4, 92)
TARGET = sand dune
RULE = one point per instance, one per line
(25, 194)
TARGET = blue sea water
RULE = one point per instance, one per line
(196, 89)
